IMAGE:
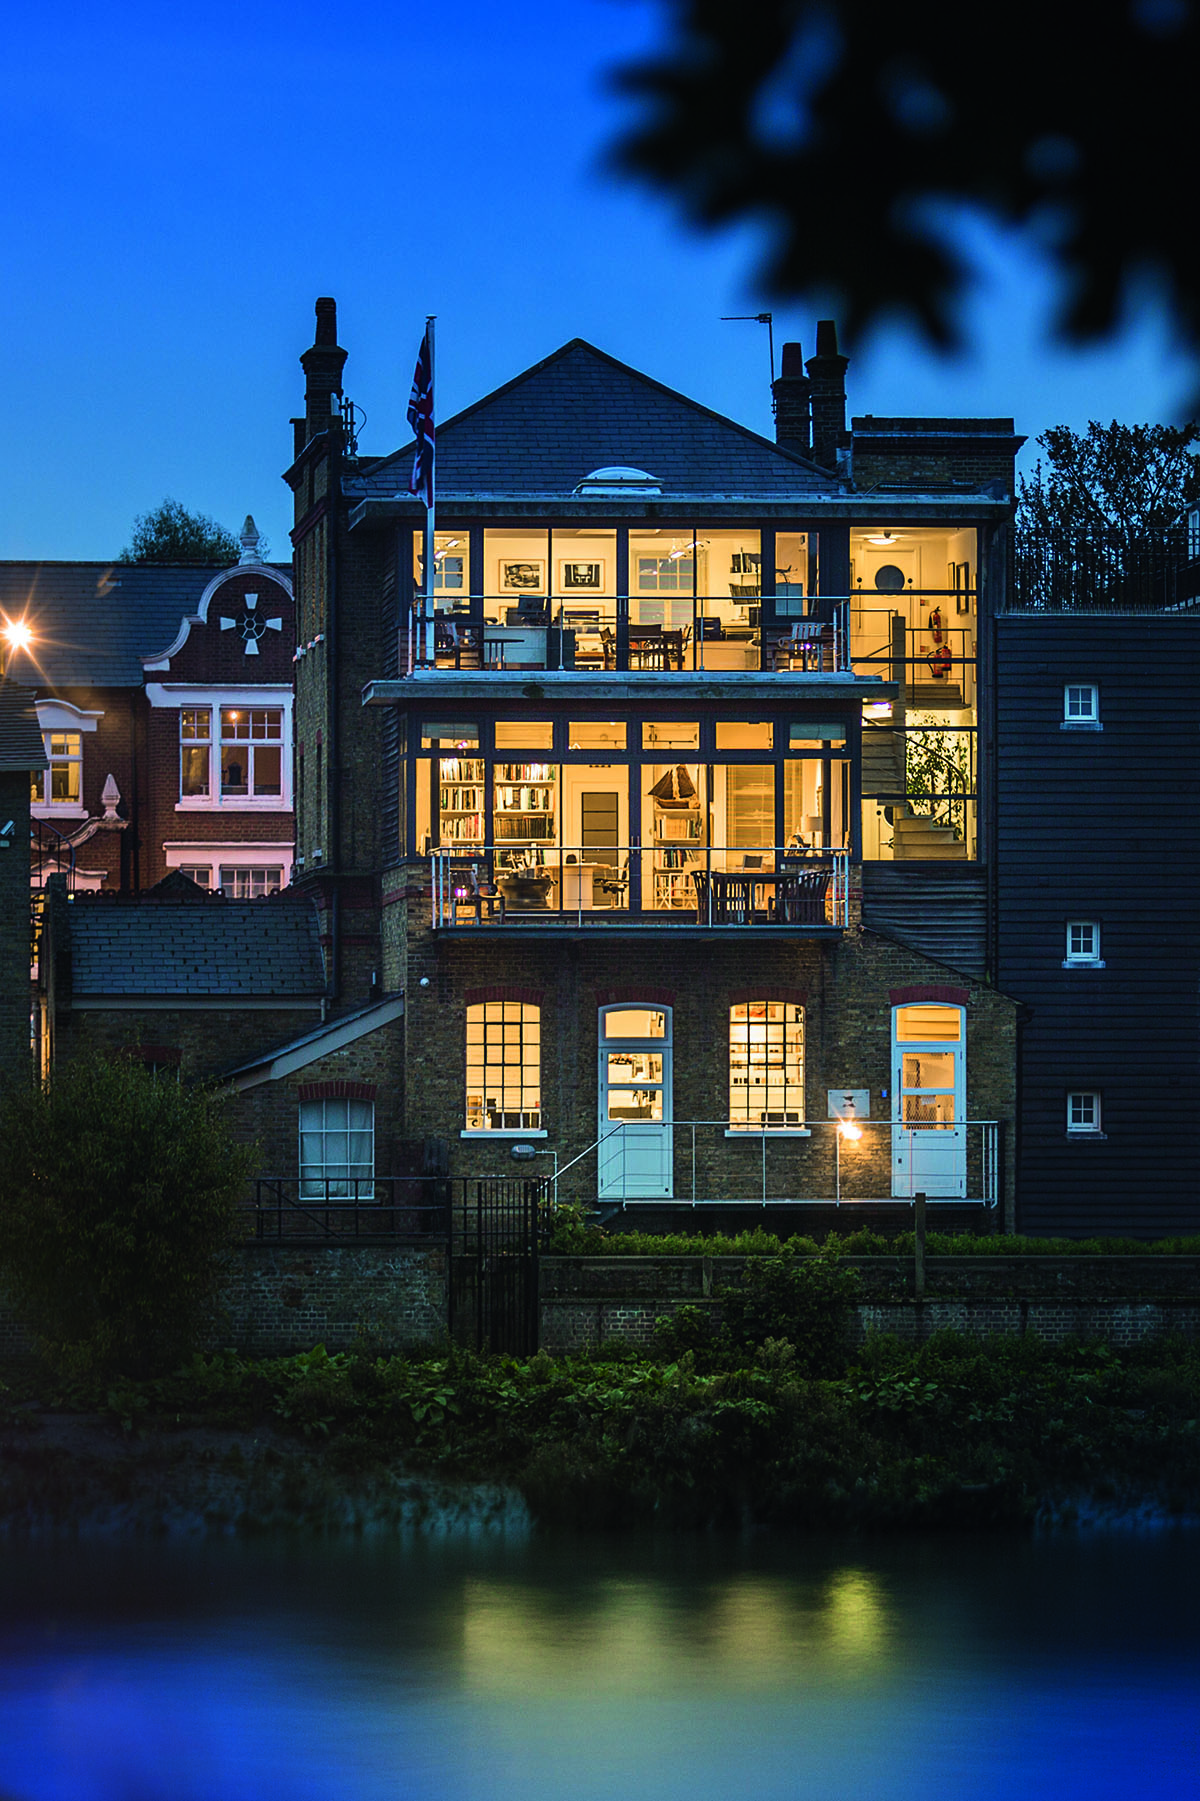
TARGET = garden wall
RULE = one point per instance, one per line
(588, 1301)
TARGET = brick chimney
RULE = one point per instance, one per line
(827, 371)
(323, 366)
(791, 393)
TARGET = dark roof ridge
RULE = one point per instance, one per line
(697, 406)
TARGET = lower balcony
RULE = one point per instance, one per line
(712, 888)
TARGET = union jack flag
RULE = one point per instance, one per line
(420, 417)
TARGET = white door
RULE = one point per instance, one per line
(929, 1134)
(634, 1128)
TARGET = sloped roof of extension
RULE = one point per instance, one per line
(94, 622)
(176, 948)
(581, 410)
(21, 745)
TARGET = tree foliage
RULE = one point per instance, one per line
(1113, 485)
(168, 533)
(858, 133)
(120, 1202)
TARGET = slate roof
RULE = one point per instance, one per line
(243, 949)
(94, 622)
(21, 743)
(582, 410)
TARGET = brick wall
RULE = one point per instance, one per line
(15, 1061)
(587, 1301)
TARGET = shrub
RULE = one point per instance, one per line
(806, 1301)
(120, 1203)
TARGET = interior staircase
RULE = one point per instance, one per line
(917, 838)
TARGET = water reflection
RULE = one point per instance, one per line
(686, 1668)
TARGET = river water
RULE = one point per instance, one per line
(842, 1670)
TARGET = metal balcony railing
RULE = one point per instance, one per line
(677, 883)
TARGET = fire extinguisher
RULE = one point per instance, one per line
(935, 624)
(940, 662)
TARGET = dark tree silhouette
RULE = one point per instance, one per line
(168, 533)
(857, 132)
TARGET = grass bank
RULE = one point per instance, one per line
(775, 1433)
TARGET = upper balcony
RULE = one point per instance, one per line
(702, 634)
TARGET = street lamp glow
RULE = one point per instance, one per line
(849, 1131)
(18, 634)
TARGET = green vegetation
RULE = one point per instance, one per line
(572, 1234)
(954, 1432)
(168, 533)
(120, 1203)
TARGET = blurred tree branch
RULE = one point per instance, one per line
(857, 132)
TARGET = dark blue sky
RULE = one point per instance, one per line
(182, 182)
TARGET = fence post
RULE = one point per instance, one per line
(919, 1245)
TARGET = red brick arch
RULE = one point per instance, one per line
(337, 1091)
(925, 993)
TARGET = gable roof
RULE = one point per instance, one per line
(94, 622)
(259, 949)
(581, 410)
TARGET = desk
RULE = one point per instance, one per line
(514, 647)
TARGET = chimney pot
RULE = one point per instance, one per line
(791, 396)
(827, 370)
(326, 321)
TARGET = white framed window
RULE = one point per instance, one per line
(62, 784)
(235, 745)
(244, 870)
(1083, 944)
(337, 1150)
(250, 881)
(1081, 704)
(1083, 1112)
(766, 1066)
(504, 1067)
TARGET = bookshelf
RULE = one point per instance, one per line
(525, 813)
(460, 802)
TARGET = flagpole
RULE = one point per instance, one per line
(430, 509)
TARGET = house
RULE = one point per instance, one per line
(164, 697)
(22, 759)
(1097, 873)
(672, 816)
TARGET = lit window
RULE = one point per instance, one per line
(251, 751)
(62, 784)
(1083, 941)
(248, 750)
(195, 742)
(662, 575)
(1083, 1111)
(504, 1064)
(1081, 704)
(766, 1066)
(337, 1150)
(250, 882)
(200, 873)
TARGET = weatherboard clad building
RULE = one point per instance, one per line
(668, 817)
(164, 697)
(1098, 871)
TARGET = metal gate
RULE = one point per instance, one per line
(494, 1264)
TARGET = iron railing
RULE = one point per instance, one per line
(678, 883)
(286, 1208)
(1069, 572)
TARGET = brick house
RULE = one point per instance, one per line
(671, 816)
(164, 696)
(22, 758)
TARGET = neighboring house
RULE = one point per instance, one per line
(1098, 872)
(164, 697)
(672, 817)
(232, 992)
(22, 759)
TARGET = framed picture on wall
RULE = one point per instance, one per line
(525, 577)
(962, 587)
(581, 578)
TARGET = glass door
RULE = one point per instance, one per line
(929, 1134)
(634, 1156)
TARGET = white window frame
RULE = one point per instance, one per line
(1074, 721)
(61, 716)
(221, 854)
(324, 1120)
(1083, 959)
(1084, 1113)
(276, 696)
(476, 1086)
(758, 1071)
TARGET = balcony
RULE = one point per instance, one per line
(710, 635)
(677, 887)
